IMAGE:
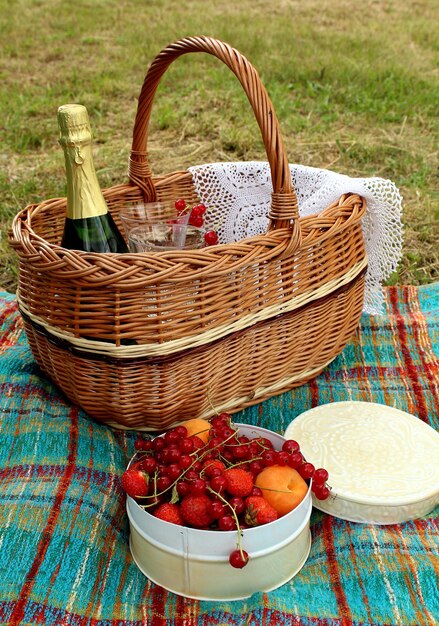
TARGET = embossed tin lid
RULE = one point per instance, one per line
(383, 463)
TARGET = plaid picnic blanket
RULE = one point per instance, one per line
(64, 556)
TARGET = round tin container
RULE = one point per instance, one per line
(195, 563)
(383, 463)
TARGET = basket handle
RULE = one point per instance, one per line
(284, 209)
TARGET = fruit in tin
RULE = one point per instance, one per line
(239, 481)
(169, 512)
(259, 511)
(135, 483)
(207, 475)
(198, 427)
(195, 510)
(282, 487)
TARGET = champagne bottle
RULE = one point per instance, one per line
(88, 226)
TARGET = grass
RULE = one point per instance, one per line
(355, 86)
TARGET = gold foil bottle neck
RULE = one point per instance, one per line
(74, 124)
(84, 195)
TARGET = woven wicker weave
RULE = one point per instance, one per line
(214, 329)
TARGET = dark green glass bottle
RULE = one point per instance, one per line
(89, 225)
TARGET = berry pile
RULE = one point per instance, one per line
(196, 218)
(206, 475)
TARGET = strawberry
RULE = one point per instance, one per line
(211, 465)
(259, 511)
(135, 483)
(169, 513)
(195, 510)
(239, 481)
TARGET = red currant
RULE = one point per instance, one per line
(295, 460)
(192, 475)
(198, 211)
(320, 476)
(268, 458)
(238, 558)
(173, 471)
(171, 455)
(185, 461)
(158, 444)
(211, 238)
(161, 469)
(227, 433)
(198, 487)
(186, 445)
(228, 455)
(226, 522)
(171, 437)
(197, 466)
(264, 443)
(180, 205)
(220, 421)
(196, 221)
(225, 416)
(282, 457)
(149, 465)
(213, 468)
(214, 442)
(321, 491)
(306, 470)
(241, 452)
(183, 488)
(255, 467)
(238, 504)
(181, 430)
(290, 446)
(218, 483)
(198, 443)
(163, 483)
(217, 509)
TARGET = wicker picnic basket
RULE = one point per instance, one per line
(142, 341)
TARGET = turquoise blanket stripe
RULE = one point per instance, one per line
(64, 556)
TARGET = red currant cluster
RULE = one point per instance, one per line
(213, 480)
(196, 218)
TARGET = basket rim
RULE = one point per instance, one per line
(123, 269)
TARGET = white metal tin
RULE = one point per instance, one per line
(194, 563)
(383, 463)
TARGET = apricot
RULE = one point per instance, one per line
(199, 427)
(282, 487)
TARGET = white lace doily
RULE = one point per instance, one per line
(238, 195)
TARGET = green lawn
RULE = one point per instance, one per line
(355, 85)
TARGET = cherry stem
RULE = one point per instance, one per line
(232, 465)
(235, 518)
